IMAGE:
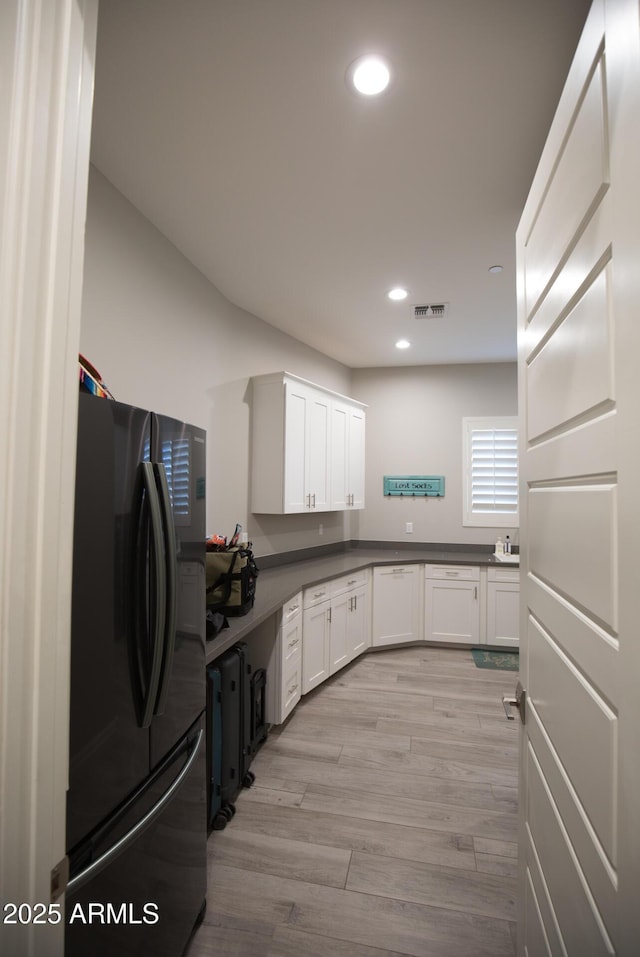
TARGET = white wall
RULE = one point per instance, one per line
(414, 427)
(164, 338)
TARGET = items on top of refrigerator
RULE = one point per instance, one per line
(91, 380)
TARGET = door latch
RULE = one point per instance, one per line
(518, 702)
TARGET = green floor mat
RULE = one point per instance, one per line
(500, 660)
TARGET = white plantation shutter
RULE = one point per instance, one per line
(490, 456)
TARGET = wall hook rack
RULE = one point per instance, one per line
(413, 485)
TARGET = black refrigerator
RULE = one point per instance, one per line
(136, 804)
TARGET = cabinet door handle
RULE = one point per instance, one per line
(314, 499)
(355, 602)
(293, 688)
(329, 614)
(475, 593)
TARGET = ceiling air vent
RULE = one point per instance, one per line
(433, 310)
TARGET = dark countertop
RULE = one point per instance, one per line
(278, 584)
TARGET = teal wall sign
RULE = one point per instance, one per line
(413, 485)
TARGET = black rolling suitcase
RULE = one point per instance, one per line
(247, 744)
(236, 728)
(217, 814)
(259, 727)
(232, 761)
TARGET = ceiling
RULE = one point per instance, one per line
(229, 125)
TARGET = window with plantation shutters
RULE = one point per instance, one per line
(490, 460)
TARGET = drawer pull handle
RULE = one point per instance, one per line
(293, 608)
(293, 688)
(452, 574)
(293, 643)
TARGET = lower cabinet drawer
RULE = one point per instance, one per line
(348, 582)
(313, 596)
(291, 642)
(292, 608)
(291, 686)
(503, 574)
(452, 572)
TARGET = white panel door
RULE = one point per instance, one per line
(296, 453)
(315, 645)
(339, 455)
(452, 611)
(356, 458)
(318, 450)
(396, 616)
(347, 456)
(503, 603)
(339, 626)
(358, 632)
(578, 247)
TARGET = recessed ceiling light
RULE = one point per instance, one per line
(369, 75)
(402, 344)
(397, 294)
(495, 268)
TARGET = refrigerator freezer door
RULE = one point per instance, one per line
(179, 453)
(109, 751)
(148, 897)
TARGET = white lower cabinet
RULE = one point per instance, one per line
(452, 603)
(396, 616)
(325, 627)
(335, 626)
(284, 673)
(503, 606)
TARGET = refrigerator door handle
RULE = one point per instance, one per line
(127, 839)
(156, 554)
(171, 585)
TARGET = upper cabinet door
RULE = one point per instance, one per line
(317, 450)
(339, 455)
(296, 415)
(347, 455)
(355, 451)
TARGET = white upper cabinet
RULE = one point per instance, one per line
(306, 455)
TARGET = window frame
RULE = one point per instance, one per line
(493, 518)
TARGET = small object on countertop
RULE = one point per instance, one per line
(507, 546)
(499, 549)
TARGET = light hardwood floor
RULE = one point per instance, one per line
(382, 820)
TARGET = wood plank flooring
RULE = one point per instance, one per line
(382, 821)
